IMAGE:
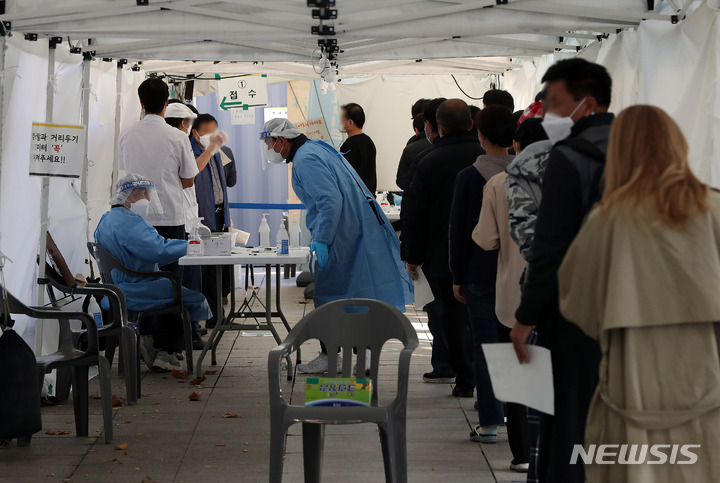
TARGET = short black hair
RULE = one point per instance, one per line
(473, 111)
(496, 124)
(193, 109)
(529, 132)
(418, 107)
(583, 79)
(153, 94)
(174, 121)
(354, 112)
(203, 119)
(419, 122)
(499, 96)
(454, 116)
(430, 111)
(541, 95)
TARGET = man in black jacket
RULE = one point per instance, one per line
(577, 100)
(416, 145)
(426, 216)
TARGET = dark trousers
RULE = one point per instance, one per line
(209, 274)
(483, 330)
(455, 323)
(439, 359)
(516, 414)
(575, 362)
(167, 330)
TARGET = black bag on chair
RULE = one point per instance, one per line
(19, 389)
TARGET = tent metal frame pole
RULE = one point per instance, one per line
(3, 45)
(45, 203)
(86, 124)
(118, 115)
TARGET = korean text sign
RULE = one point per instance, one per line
(57, 150)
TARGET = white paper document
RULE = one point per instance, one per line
(529, 384)
(423, 294)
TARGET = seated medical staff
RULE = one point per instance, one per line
(124, 232)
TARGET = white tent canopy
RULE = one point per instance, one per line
(367, 31)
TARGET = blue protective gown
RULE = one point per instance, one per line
(138, 246)
(364, 252)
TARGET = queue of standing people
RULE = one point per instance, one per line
(564, 227)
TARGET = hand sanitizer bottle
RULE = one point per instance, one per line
(282, 240)
(264, 232)
(295, 233)
(195, 244)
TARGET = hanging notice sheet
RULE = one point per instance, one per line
(242, 116)
(314, 129)
(242, 92)
(57, 150)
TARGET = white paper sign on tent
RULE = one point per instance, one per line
(57, 150)
(238, 92)
(242, 116)
(529, 384)
(314, 129)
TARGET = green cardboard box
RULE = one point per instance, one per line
(337, 392)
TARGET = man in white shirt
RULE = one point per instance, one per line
(163, 155)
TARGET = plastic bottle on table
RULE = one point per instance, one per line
(282, 240)
(195, 244)
(94, 311)
(264, 232)
(295, 233)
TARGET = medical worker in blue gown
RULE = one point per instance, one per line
(124, 232)
(357, 251)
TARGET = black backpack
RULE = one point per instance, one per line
(19, 389)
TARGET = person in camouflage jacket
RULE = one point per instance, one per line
(524, 192)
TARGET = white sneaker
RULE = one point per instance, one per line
(367, 364)
(319, 365)
(147, 350)
(520, 467)
(166, 362)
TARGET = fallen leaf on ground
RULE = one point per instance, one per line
(231, 414)
(127, 422)
(220, 444)
(211, 373)
(116, 402)
(195, 396)
(56, 432)
(121, 447)
(179, 374)
(95, 396)
(181, 382)
(244, 451)
(198, 380)
(155, 404)
(200, 386)
(303, 302)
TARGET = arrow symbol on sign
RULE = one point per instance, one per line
(224, 105)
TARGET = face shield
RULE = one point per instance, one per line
(128, 185)
(269, 143)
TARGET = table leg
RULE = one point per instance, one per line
(219, 317)
(268, 311)
(211, 343)
(279, 310)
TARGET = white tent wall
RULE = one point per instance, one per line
(387, 101)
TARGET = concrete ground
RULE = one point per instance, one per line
(167, 437)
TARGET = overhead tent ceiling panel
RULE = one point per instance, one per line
(277, 32)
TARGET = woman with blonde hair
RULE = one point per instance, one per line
(643, 277)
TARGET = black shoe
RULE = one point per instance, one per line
(434, 377)
(198, 345)
(210, 324)
(202, 331)
(459, 392)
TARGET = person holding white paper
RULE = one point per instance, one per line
(643, 278)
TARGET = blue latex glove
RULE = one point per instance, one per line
(321, 252)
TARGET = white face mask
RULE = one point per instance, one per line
(558, 128)
(205, 140)
(140, 207)
(272, 156)
(341, 128)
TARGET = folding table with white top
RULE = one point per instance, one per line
(247, 256)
